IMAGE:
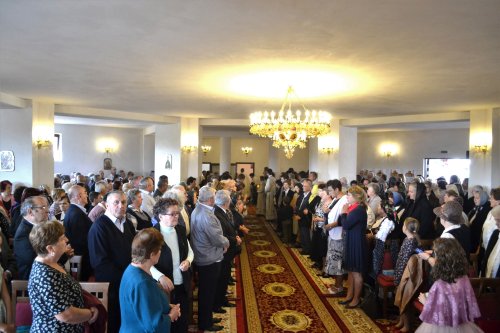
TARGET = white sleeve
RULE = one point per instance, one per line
(190, 256)
(156, 273)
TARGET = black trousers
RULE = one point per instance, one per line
(223, 282)
(114, 315)
(207, 281)
(180, 296)
(305, 238)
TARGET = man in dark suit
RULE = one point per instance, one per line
(76, 227)
(34, 210)
(110, 247)
(306, 205)
(224, 215)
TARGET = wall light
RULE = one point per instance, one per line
(188, 149)
(246, 150)
(328, 150)
(39, 144)
(481, 149)
(388, 150)
(206, 149)
(108, 150)
(107, 145)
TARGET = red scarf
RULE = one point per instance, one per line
(352, 207)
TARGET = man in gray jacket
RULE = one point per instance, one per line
(209, 246)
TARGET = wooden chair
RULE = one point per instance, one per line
(98, 289)
(386, 282)
(75, 267)
(489, 303)
(21, 308)
(474, 269)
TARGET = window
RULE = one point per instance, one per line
(446, 167)
(57, 147)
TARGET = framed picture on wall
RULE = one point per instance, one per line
(168, 162)
(7, 162)
(108, 163)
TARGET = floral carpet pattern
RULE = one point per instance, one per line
(282, 294)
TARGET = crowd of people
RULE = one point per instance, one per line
(140, 237)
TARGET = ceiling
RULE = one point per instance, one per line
(171, 58)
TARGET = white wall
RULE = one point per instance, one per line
(15, 135)
(80, 151)
(414, 146)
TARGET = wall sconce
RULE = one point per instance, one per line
(206, 149)
(246, 150)
(481, 149)
(327, 150)
(188, 149)
(39, 144)
(108, 150)
(387, 154)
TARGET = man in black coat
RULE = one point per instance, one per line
(223, 213)
(110, 248)
(305, 209)
(34, 210)
(76, 227)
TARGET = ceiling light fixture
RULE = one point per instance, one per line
(290, 130)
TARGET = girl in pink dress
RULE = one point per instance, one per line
(451, 305)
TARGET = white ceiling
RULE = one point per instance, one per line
(151, 56)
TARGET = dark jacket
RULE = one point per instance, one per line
(421, 209)
(303, 204)
(7, 258)
(228, 231)
(110, 250)
(23, 250)
(476, 226)
(76, 227)
(165, 264)
(141, 223)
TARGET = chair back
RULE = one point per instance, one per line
(75, 267)
(98, 289)
(21, 307)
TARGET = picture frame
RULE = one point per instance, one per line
(108, 163)
(7, 160)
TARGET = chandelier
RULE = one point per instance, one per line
(290, 130)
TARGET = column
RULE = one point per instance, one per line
(42, 137)
(343, 161)
(484, 147)
(274, 160)
(225, 155)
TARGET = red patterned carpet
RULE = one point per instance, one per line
(281, 293)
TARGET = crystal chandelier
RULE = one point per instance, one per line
(290, 130)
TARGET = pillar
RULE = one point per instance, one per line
(484, 132)
(42, 134)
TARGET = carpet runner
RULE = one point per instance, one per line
(281, 293)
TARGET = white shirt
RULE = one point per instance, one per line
(148, 202)
(170, 238)
(117, 222)
(385, 229)
(493, 261)
(333, 216)
(446, 231)
(489, 226)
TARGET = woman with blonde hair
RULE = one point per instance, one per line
(354, 220)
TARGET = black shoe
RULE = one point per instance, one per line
(229, 305)
(219, 310)
(304, 253)
(214, 328)
(231, 283)
(232, 279)
(216, 320)
(345, 302)
(352, 306)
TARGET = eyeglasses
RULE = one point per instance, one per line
(173, 214)
(40, 207)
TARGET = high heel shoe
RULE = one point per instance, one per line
(352, 306)
(345, 302)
